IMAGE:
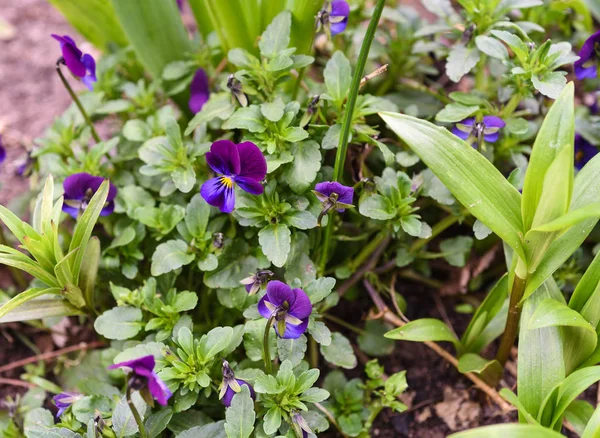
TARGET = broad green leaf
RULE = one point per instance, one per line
(425, 329)
(219, 105)
(557, 132)
(376, 207)
(455, 112)
(578, 414)
(119, 323)
(456, 250)
(95, 20)
(158, 421)
(249, 118)
(301, 172)
(474, 363)
(122, 418)
(292, 349)
(210, 430)
(571, 218)
(553, 313)
(214, 342)
(471, 178)
(550, 84)
(137, 130)
(508, 430)
(586, 191)
(240, 416)
(461, 61)
(253, 339)
(89, 270)
(319, 289)
(171, 255)
(491, 47)
(273, 111)
(7, 309)
(155, 30)
(373, 342)
(276, 37)
(587, 288)
(339, 352)
(592, 430)
(85, 226)
(541, 363)
(196, 217)
(275, 241)
(338, 76)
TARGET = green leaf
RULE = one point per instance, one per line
(20, 261)
(211, 430)
(557, 132)
(136, 130)
(196, 217)
(171, 255)
(273, 111)
(302, 172)
(301, 219)
(214, 342)
(541, 364)
(338, 76)
(474, 363)
(457, 250)
(140, 21)
(319, 289)
(39, 308)
(240, 416)
(471, 178)
(586, 289)
(122, 418)
(119, 323)
(292, 349)
(85, 226)
(592, 430)
(460, 61)
(253, 339)
(249, 118)
(339, 352)
(219, 105)
(276, 37)
(491, 47)
(372, 340)
(571, 218)
(89, 271)
(376, 207)
(455, 112)
(578, 414)
(158, 421)
(553, 313)
(508, 430)
(272, 420)
(275, 241)
(23, 298)
(551, 84)
(426, 329)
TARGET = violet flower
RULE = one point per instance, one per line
(141, 375)
(488, 129)
(64, 400)
(242, 164)
(81, 65)
(585, 66)
(584, 151)
(338, 16)
(2, 151)
(257, 280)
(199, 91)
(300, 425)
(79, 189)
(290, 308)
(180, 4)
(333, 196)
(231, 386)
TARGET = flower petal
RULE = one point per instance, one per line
(224, 157)
(71, 54)
(295, 331)
(144, 362)
(252, 162)
(460, 133)
(279, 292)
(218, 194)
(249, 185)
(199, 91)
(493, 122)
(586, 53)
(159, 389)
(339, 8)
(2, 154)
(90, 68)
(302, 306)
(263, 309)
(77, 184)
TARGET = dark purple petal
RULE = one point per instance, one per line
(279, 292)
(339, 8)
(229, 393)
(460, 133)
(493, 122)
(71, 54)
(108, 209)
(294, 331)
(224, 157)
(345, 193)
(159, 390)
(302, 307)
(218, 193)
(139, 365)
(199, 91)
(252, 162)
(249, 185)
(587, 52)
(2, 153)
(72, 210)
(584, 151)
(263, 309)
(64, 400)
(491, 138)
(90, 68)
(75, 186)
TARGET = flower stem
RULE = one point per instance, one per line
(512, 320)
(136, 414)
(436, 230)
(342, 149)
(266, 352)
(76, 100)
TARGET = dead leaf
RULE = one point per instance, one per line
(457, 410)
(424, 415)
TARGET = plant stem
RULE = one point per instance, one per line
(512, 320)
(136, 414)
(512, 105)
(340, 157)
(343, 323)
(368, 250)
(17, 275)
(436, 230)
(87, 119)
(314, 352)
(266, 352)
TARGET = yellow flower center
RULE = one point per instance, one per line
(227, 181)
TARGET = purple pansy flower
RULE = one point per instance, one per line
(343, 194)
(289, 307)
(142, 375)
(231, 386)
(585, 67)
(338, 17)
(79, 189)
(199, 91)
(300, 425)
(242, 164)
(488, 129)
(64, 400)
(257, 280)
(2, 151)
(584, 151)
(81, 65)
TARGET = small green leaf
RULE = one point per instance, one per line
(240, 416)
(219, 105)
(460, 61)
(119, 323)
(376, 207)
(276, 37)
(249, 118)
(455, 112)
(456, 250)
(275, 241)
(302, 172)
(508, 430)
(292, 349)
(338, 76)
(273, 111)
(136, 130)
(553, 313)
(196, 217)
(426, 329)
(491, 47)
(339, 352)
(122, 418)
(169, 256)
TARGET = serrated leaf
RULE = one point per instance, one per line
(461, 61)
(276, 37)
(339, 352)
(338, 76)
(302, 172)
(240, 416)
(169, 256)
(275, 241)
